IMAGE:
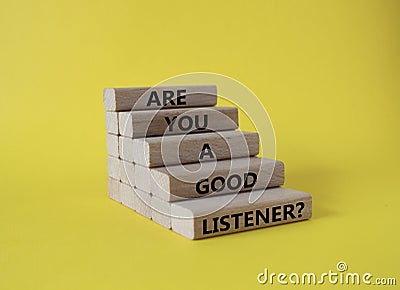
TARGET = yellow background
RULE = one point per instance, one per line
(327, 72)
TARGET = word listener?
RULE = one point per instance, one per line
(253, 218)
(167, 98)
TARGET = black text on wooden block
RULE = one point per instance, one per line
(181, 149)
(148, 98)
(137, 124)
(210, 178)
(219, 215)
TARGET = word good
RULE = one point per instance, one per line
(233, 182)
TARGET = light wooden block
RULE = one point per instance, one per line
(128, 196)
(212, 178)
(148, 98)
(112, 146)
(114, 167)
(136, 199)
(181, 149)
(125, 145)
(114, 189)
(225, 214)
(143, 179)
(161, 212)
(127, 172)
(112, 125)
(142, 201)
(137, 124)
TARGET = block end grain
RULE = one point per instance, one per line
(109, 99)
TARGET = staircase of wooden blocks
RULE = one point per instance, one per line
(177, 159)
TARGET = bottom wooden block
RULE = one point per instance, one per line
(114, 189)
(143, 202)
(225, 214)
(217, 215)
(135, 199)
(161, 212)
(128, 196)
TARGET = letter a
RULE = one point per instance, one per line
(206, 151)
(153, 99)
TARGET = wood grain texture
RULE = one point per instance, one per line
(114, 167)
(125, 145)
(161, 212)
(137, 124)
(225, 214)
(143, 203)
(114, 189)
(212, 178)
(127, 172)
(182, 149)
(135, 199)
(128, 196)
(112, 125)
(112, 145)
(143, 179)
(145, 98)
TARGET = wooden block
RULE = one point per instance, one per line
(127, 172)
(143, 179)
(148, 98)
(137, 124)
(128, 196)
(114, 167)
(143, 203)
(161, 212)
(181, 149)
(112, 145)
(112, 125)
(135, 199)
(212, 178)
(114, 189)
(125, 145)
(225, 214)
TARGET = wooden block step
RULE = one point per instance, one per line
(112, 124)
(191, 148)
(114, 189)
(114, 167)
(148, 98)
(136, 199)
(161, 212)
(217, 215)
(128, 196)
(197, 180)
(127, 172)
(143, 201)
(137, 124)
(112, 145)
(225, 214)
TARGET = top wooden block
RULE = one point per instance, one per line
(150, 98)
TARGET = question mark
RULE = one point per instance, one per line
(301, 204)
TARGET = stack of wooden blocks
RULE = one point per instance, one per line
(177, 159)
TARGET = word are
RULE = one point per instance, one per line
(167, 98)
(232, 182)
(252, 218)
